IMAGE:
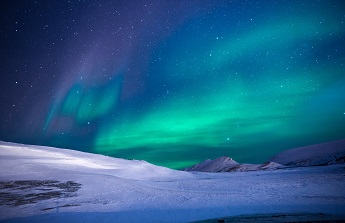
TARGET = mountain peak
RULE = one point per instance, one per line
(219, 164)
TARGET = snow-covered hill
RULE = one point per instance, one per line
(226, 164)
(34, 158)
(314, 155)
(44, 184)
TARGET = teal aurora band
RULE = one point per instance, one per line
(178, 82)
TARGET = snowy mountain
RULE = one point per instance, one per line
(255, 167)
(226, 164)
(44, 184)
(314, 155)
(220, 164)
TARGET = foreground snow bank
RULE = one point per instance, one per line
(43, 184)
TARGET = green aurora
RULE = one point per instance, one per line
(241, 93)
(181, 82)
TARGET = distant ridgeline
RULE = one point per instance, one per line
(314, 155)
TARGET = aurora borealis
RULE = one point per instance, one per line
(173, 82)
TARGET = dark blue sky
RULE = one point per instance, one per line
(173, 82)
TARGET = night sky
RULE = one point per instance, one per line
(173, 82)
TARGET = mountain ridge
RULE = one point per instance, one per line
(313, 155)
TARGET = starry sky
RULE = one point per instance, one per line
(173, 82)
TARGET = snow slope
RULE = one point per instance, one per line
(226, 164)
(43, 184)
(314, 155)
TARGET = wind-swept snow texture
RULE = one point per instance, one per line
(314, 155)
(43, 184)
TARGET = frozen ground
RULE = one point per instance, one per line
(42, 184)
